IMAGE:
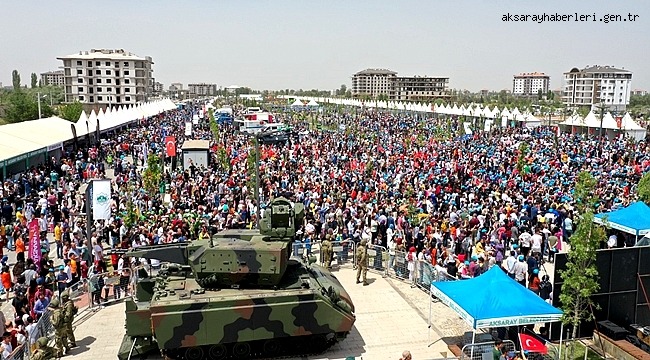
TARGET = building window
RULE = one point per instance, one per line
(99, 89)
(92, 98)
(109, 89)
(108, 63)
(126, 81)
(90, 73)
(117, 99)
(80, 89)
(108, 81)
(80, 72)
(80, 81)
(90, 81)
(127, 90)
(99, 98)
(97, 63)
(81, 98)
(117, 73)
(126, 72)
(99, 81)
(98, 72)
(108, 72)
(127, 98)
(79, 63)
(117, 64)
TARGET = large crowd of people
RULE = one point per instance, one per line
(393, 179)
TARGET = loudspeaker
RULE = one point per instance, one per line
(612, 330)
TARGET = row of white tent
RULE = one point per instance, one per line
(298, 103)
(473, 110)
(115, 116)
(610, 125)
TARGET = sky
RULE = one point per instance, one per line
(265, 44)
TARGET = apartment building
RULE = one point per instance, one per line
(529, 84)
(596, 85)
(419, 88)
(56, 78)
(202, 89)
(373, 82)
(100, 77)
(382, 82)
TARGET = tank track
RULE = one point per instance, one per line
(284, 348)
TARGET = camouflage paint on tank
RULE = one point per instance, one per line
(238, 286)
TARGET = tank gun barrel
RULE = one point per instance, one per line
(174, 253)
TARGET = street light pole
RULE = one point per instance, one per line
(38, 94)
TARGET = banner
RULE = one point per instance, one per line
(468, 128)
(101, 194)
(188, 129)
(35, 242)
(170, 146)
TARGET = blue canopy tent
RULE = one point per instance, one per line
(634, 219)
(480, 301)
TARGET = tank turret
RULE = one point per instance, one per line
(255, 258)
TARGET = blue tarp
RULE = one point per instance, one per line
(634, 219)
(493, 299)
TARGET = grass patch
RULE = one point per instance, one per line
(579, 353)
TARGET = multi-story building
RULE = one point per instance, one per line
(529, 84)
(202, 89)
(633, 92)
(373, 83)
(56, 78)
(596, 85)
(100, 77)
(158, 88)
(418, 88)
(381, 82)
(176, 86)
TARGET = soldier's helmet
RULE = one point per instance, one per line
(42, 342)
(65, 295)
(54, 303)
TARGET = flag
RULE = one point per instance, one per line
(532, 344)
(170, 145)
(101, 199)
(558, 130)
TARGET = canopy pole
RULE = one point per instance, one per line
(471, 356)
(430, 301)
(561, 333)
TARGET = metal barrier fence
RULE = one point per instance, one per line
(483, 350)
(378, 259)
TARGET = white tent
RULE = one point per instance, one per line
(297, 103)
(83, 116)
(632, 128)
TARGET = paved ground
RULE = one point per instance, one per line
(387, 324)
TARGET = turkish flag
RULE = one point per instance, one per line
(532, 344)
(170, 145)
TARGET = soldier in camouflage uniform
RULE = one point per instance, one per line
(60, 330)
(43, 351)
(328, 251)
(362, 261)
(69, 311)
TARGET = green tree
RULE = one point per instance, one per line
(34, 81)
(581, 274)
(643, 189)
(71, 111)
(152, 175)
(214, 127)
(521, 156)
(22, 106)
(15, 80)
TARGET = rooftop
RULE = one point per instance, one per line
(376, 72)
(55, 72)
(599, 69)
(533, 74)
(105, 54)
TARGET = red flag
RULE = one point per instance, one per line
(170, 145)
(34, 242)
(531, 344)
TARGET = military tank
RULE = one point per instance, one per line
(238, 295)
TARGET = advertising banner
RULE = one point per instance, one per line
(101, 195)
(35, 241)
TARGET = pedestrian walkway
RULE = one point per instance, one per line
(386, 325)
